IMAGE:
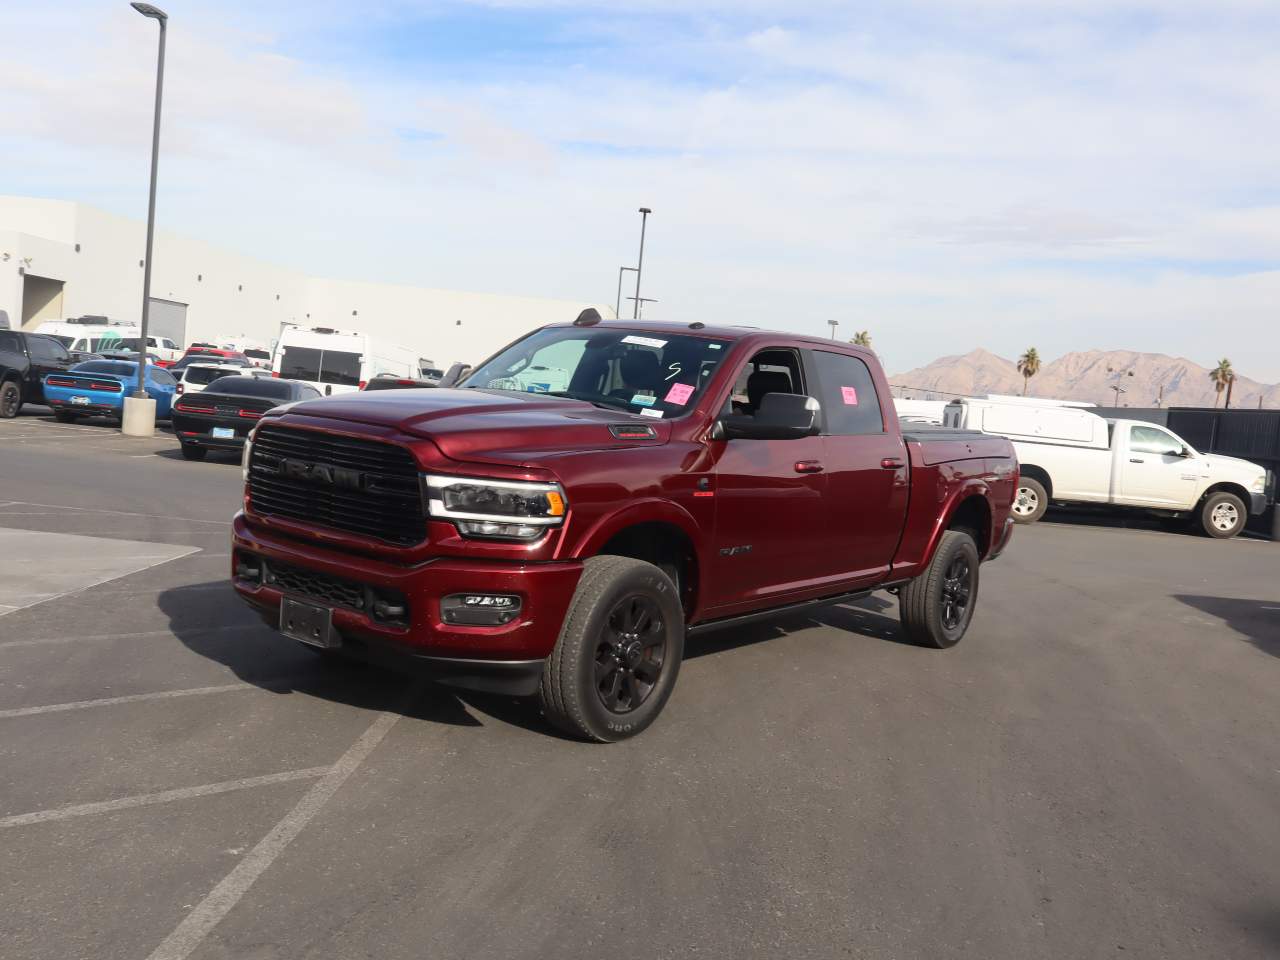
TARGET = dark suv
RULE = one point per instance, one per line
(25, 359)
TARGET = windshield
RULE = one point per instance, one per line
(653, 374)
(118, 367)
(251, 387)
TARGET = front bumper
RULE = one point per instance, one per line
(507, 658)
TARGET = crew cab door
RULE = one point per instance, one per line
(1152, 469)
(47, 356)
(866, 467)
(770, 498)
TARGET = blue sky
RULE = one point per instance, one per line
(1069, 174)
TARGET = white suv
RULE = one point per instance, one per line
(195, 377)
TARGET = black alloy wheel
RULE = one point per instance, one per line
(10, 400)
(957, 589)
(630, 654)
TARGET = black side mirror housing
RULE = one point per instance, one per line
(782, 416)
(454, 375)
(1186, 453)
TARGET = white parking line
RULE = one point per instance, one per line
(193, 929)
(119, 513)
(132, 698)
(142, 635)
(165, 796)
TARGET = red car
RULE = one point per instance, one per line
(559, 522)
(203, 351)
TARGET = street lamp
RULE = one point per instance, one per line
(140, 410)
(618, 303)
(833, 324)
(644, 219)
(641, 301)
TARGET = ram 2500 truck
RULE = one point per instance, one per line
(563, 539)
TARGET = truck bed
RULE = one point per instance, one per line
(942, 444)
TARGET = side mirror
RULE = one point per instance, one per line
(454, 375)
(782, 416)
(1186, 452)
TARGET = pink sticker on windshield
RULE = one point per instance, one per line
(679, 393)
(849, 395)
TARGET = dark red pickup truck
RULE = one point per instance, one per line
(564, 518)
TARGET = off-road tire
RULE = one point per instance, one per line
(1031, 491)
(568, 690)
(191, 452)
(1216, 506)
(922, 602)
(10, 399)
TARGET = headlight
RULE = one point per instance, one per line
(1259, 485)
(499, 509)
(248, 449)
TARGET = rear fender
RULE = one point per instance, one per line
(975, 486)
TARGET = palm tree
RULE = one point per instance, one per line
(862, 339)
(1028, 366)
(1221, 375)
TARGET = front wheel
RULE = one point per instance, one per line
(1222, 516)
(1031, 502)
(10, 400)
(937, 606)
(619, 652)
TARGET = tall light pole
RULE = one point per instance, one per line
(644, 219)
(143, 421)
(617, 307)
(833, 324)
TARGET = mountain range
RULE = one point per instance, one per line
(1147, 379)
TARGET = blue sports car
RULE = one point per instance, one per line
(98, 388)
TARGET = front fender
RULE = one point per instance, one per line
(647, 510)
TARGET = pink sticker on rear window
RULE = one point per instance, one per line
(679, 393)
(849, 395)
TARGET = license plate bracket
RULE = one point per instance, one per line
(309, 623)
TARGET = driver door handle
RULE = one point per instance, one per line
(808, 466)
(892, 463)
(1136, 460)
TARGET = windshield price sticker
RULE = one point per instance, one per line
(644, 400)
(651, 413)
(644, 341)
(679, 393)
(849, 395)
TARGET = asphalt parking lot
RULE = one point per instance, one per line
(1093, 772)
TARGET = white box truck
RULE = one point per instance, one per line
(339, 361)
(1070, 454)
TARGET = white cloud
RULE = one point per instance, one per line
(945, 174)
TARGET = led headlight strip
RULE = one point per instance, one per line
(501, 509)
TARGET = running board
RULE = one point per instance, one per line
(756, 615)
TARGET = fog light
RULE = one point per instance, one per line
(248, 570)
(480, 609)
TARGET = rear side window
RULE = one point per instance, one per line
(9, 341)
(203, 375)
(300, 363)
(849, 399)
(337, 366)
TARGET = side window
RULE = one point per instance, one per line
(162, 377)
(45, 349)
(769, 371)
(1153, 440)
(848, 395)
(9, 342)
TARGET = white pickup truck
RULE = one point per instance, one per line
(1069, 454)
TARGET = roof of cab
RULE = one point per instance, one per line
(716, 332)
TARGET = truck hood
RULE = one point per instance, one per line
(477, 425)
(1221, 467)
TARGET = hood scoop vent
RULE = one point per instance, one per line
(633, 431)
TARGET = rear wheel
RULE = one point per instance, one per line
(619, 652)
(1222, 516)
(191, 452)
(10, 400)
(937, 606)
(1031, 501)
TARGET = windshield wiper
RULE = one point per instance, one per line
(612, 403)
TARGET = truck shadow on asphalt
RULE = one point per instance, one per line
(1258, 621)
(216, 625)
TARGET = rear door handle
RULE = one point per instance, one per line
(892, 463)
(1136, 460)
(808, 466)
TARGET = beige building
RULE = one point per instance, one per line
(62, 259)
